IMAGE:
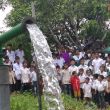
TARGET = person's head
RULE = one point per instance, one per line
(57, 67)
(77, 52)
(74, 73)
(108, 78)
(95, 76)
(87, 80)
(89, 72)
(82, 61)
(9, 47)
(20, 46)
(7, 59)
(17, 59)
(72, 62)
(97, 55)
(57, 56)
(65, 66)
(81, 71)
(102, 68)
(100, 77)
(25, 64)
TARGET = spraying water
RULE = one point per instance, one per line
(52, 91)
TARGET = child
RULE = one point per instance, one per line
(101, 90)
(25, 77)
(87, 91)
(82, 81)
(11, 79)
(7, 61)
(75, 83)
(59, 76)
(108, 90)
(33, 76)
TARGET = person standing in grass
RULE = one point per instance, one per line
(33, 76)
(66, 79)
(75, 83)
(101, 87)
(11, 79)
(25, 77)
(87, 91)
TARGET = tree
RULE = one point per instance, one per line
(66, 21)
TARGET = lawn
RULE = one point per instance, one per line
(27, 102)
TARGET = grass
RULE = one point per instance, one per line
(27, 102)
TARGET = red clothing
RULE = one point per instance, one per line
(75, 82)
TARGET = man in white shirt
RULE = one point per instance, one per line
(72, 67)
(17, 69)
(59, 61)
(10, 53)
(96, 63)
(20, 53)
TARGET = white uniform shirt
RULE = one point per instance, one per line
(66, 76)
(20, 54)
(11, 56)
(96, 64)
(104, 73)
(87, 90)
(73, 68)
(33, 76)
(59, 62)
(85, 67)
(25, 75)
(17, 69)
(101, 86)
(82, 79)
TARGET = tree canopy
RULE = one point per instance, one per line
(66, 22)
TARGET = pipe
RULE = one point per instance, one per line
(17, 30)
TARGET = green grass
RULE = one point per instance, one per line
(28, 102)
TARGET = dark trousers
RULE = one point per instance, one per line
(67, 89)
(12, 88)
(18, 85)
(35, 88)
(101, 100)
(25, 87)
(82, 94)
(107, 98)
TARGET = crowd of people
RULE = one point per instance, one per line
(82, 74)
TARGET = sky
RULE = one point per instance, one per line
(3, 14)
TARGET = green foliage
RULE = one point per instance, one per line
(52, 15)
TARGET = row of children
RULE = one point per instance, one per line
(21, 77)
(85, 85)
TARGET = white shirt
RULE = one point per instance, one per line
(94, 84)
(65, 76)
(87, 90)
(96, 64)
(33, 76)
(25, 75)
(82, 79)
(73, 68)
(20, 54)
(17, 69)
(59, 62)
(104, 73)
(85, 67)
(101, 86)
(11, 56)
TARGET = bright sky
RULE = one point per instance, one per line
(3, 14)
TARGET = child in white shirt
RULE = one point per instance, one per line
(33, 76)
(25, 77)
(87, 91)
